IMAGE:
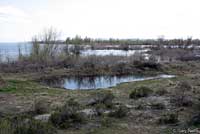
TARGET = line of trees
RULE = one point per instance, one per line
(160, 41)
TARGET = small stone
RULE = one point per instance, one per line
(43, 117)
(129, 106)
(89, 112)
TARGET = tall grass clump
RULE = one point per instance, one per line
(6, 127)
(182, 95)
(68, 116)
(2, 82)
(140, 92)
(19, 125)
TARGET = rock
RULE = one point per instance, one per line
(92, 102)
(43, 117)
(107, 111)
(129, 106)
(89, 112)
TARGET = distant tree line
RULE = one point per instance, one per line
(160, 41)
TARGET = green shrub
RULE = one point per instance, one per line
(158, 106)
(72, 103)
(182, 101)
(161, 92)
(2, 83)
(140, 92)
(107, 122)
(34, 127)
(195, 121)
(19, 125)
(68, 116)
(120, 112)
(40, 107)
(66, 119)
(182, 95)
(169, 118)
(140, 106)
(184, 86)
(105, 98)
(100, 109)
(148, 65)
(6, 127)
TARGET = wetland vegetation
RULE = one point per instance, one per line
(31, 104)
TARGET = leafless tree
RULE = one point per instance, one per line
(45, 46)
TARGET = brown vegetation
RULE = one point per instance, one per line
(2, 83)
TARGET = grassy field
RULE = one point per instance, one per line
(146, 114)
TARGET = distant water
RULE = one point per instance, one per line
(11, 50)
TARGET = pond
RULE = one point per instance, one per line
(84, 83)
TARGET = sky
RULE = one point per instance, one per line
(20, 20)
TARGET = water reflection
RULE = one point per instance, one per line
(99, 82)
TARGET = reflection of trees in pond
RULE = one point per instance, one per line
(54, 82)
(89, 82)
(95, 82)
(86, 82)
(79, 82)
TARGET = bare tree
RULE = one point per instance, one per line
(45, 46)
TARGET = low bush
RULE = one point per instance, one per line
(68, 116)
(158, 106)
(105, 98)
(34, 127)
(19, 125)
(120, 112)
(161, 92)
(6, 127)
(140, 92)
(2, 83)
(182, 95)
(195, 121)
(107, 122)
(100, 109)
(169, 118)
(182, 101)
(72, 103)
(184, 86)
(40, 107)
(140, 106)
(148, 65)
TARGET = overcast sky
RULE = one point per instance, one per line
(21, 19)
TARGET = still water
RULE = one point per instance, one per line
(99, 82)
(11, 50)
